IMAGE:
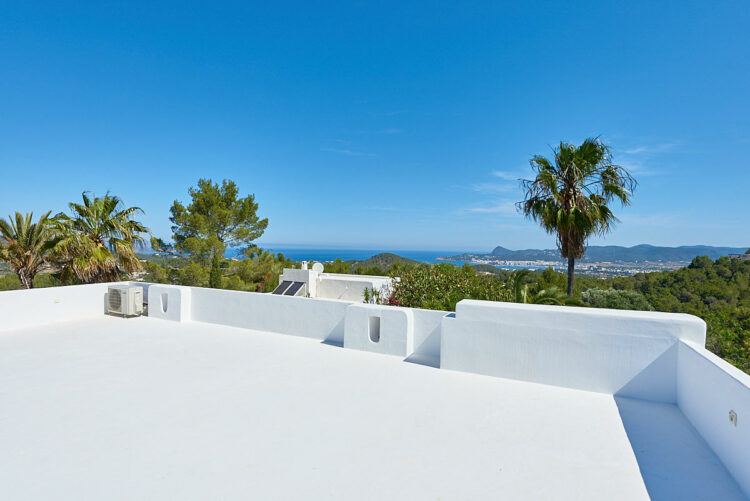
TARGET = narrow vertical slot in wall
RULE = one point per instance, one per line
(374, 329)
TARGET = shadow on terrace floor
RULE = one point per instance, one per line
(675, 462)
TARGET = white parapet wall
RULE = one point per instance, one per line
(715, 397)
(26, 308)
(169, 302)
(626, 353)
(308, 317)
(380, 329)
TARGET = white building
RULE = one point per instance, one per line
(331, 285)
(233, 395)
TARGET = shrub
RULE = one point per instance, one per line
(441, 286)
(616, 299)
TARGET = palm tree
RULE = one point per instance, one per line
(570, 196)
(25, 245)
(98, 241)
(521, 292)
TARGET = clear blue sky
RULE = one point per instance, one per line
(379, 125)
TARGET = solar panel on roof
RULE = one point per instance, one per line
(282, 287)
(292, 291)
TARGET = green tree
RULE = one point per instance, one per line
(156, 274)
(337, 266)
(159, 245)
(569, 196)
(193, 275)
(25, 245)
(98, 240)
(214, 279)
(522, 291)
(258, 272)
(215, 219)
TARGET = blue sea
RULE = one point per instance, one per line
(326, 255)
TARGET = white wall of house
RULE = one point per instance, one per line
(351, 287)
(340, 286)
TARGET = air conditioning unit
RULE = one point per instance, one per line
(125, 300)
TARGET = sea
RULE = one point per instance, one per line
(327, 255)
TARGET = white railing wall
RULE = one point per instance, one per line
(616, 352)
(28, 308)
(708, 389)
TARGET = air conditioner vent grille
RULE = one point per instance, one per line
(115, 300)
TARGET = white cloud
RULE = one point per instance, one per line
(638, 169)
(503, 207)
(651, 149)
(507, 176)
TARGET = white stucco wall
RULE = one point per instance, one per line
(300, 316)
(427, 326)
(26, 308)
(380, 329)
(169, 302)
(707, 389)
(617, 352)
(349, 287)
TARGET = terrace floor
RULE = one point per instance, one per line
(148, 409)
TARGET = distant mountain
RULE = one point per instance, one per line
(614, 253)
(383, 261)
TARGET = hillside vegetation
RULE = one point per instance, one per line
(614, 253)
(716, 291)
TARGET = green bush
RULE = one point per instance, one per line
(728, 336)
(616, 299)
(441, 286)
(9, 283)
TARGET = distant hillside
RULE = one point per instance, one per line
(488, 268)
(382, 261)
(614, 253)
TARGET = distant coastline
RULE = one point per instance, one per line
(600, 261)
(327, 255)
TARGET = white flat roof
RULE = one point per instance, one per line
(111, 408)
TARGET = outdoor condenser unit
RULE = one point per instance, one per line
(125, 300)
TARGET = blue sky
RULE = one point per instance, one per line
(379, 125)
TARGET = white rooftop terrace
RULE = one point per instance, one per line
(210, 398)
